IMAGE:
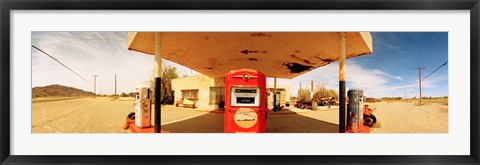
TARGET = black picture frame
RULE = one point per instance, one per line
(9, 5)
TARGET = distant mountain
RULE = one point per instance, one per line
(59, 91)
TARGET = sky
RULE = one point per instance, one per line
(389, 72)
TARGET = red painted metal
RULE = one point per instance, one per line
(238, 79)
(133, 128)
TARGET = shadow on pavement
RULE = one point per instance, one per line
(207, 123)
(286, 122)
(295, 123)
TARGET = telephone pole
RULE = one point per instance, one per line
(115, 85)
(95, 85)
(420, 83)
(299, 91)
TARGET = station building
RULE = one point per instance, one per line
(209, 92)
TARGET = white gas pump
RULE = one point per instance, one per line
(143, 104)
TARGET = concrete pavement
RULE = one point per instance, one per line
(285, 121)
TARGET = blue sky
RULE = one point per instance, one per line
(389, 71)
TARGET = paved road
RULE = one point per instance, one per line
(285, 121)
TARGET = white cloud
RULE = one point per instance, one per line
(374, 82)
(89, 53)
(106, 54)
(92, 53)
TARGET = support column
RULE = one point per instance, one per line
(342, 90)
(158, 81)
(274, 93)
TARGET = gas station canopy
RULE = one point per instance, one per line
(276, 54)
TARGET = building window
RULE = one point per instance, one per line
(217, 94)
(190, 94)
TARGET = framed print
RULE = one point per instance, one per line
(171, 81)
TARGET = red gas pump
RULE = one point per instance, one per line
(245, 101)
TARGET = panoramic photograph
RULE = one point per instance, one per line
(239, 82)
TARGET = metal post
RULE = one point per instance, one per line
(274, 92)
(158, 80)
(342, 90)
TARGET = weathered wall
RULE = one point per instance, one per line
(284, 92)
(203, 84)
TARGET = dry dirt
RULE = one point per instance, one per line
(403, 117)
(398, 117)
(85, 115)
(100, 115)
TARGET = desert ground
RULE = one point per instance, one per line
(101, 115)
(399, 117)
(74, 115)
(403, 117)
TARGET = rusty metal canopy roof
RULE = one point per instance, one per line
(276, 54)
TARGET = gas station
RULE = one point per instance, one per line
(245, 60)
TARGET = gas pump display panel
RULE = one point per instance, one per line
(245, 96)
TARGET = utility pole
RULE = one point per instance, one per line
(406, 98)
(95, 85)
(420, 83)
(299, 91)
(115, 85)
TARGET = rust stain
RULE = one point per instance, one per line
(300, 59)
(212, 61)
(260, 35)
(296, 67)
(295, 57)
(297, 51)
(264, 51)
(246, 51)
(209, 68)
(325, 60)
(306, 61)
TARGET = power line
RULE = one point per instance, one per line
(436, 70)
(61, 63)
(85, 39)
(428, 76)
